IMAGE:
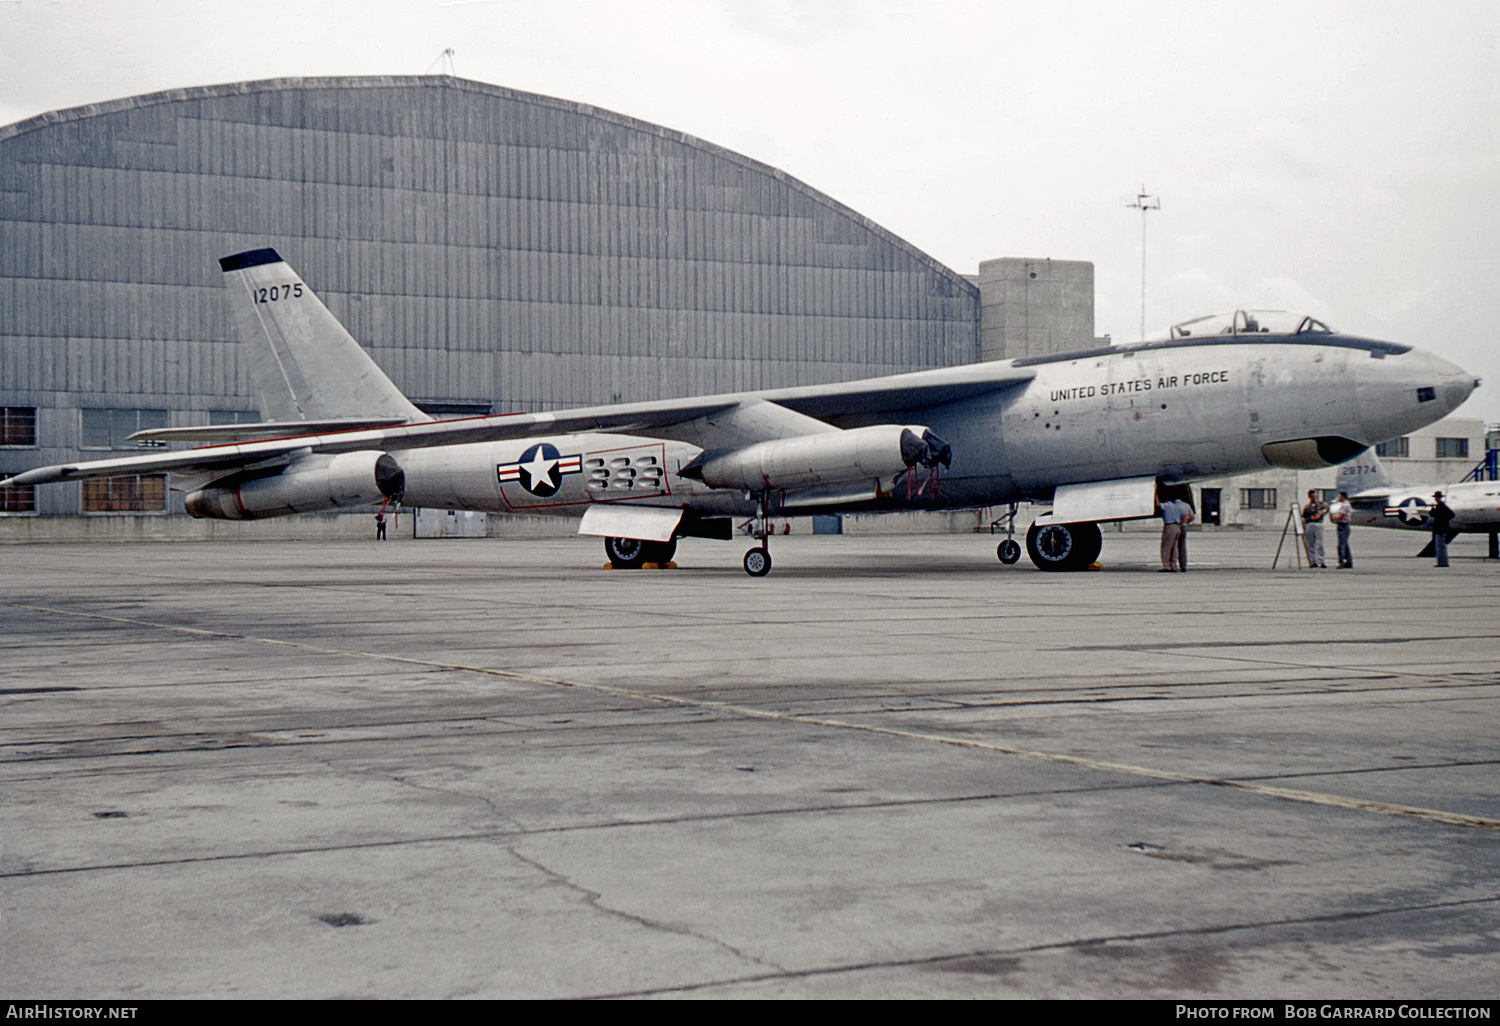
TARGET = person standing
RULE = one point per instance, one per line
(1340, 513)
(1171, 534)
(1442, 521)
(1188, 516)
(1312, 529)
(380, 526)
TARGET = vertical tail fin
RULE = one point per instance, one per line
(1362, 474)
(305, 366)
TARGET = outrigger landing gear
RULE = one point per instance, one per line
(758, 560)
(1009, 550)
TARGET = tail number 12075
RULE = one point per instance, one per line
(277, 292)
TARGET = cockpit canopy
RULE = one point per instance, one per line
(1251, 322)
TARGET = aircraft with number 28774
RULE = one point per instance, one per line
(1095, 433)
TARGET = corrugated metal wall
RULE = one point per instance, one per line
(485, 245)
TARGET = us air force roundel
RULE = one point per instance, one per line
(1412, 511)
(540, 469)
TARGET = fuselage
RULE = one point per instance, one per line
(1178, 410)
(1475, 506)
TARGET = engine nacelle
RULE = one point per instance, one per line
(835, 457)
(310, 484)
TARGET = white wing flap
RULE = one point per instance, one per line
(1132, 498)
(648, 523)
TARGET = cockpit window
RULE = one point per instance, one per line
(1315, 327)
(1251, 322)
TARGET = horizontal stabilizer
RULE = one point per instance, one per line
(262, 429)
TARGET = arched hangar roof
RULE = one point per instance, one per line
(483, 242)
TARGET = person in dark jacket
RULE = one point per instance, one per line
(1442, 522)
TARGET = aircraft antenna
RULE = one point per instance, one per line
(1144, 202)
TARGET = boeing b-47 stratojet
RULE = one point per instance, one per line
(1093, 432)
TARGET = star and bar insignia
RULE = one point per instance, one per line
(540, 469)
(1412, 511)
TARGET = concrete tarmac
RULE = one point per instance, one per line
(892, 768)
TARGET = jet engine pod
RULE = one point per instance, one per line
(307, 485)
(1312, 453)
(833, 457)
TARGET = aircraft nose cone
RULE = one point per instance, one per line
(1451, 385)
(1403, 392)
(1455, 385)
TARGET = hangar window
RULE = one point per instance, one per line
(111, 429)
(1257, 498)
(1395, 447)
(1452, 448)
(18, 499)
(138, 493)
(217, 417)
(18, 425)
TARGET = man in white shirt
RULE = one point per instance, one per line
(1340, 512)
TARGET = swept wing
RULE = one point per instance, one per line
(650, 419)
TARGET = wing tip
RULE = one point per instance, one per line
(249, 258)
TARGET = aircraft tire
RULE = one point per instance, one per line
(626, 553)
(1009, 551)
(1064, 546)
(1090, 542)
(661, 553)
(758, 562)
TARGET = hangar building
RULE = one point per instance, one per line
(494, 251)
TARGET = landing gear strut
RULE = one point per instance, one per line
(758, 560)
(1009, 550)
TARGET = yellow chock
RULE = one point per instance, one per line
(1096, 566)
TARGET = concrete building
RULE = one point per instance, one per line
(1034, 307)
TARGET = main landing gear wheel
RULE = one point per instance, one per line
(1064, 546)
(758, 562)
(633, 553)
(1009, 551)
(661, 553)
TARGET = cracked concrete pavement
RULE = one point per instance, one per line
(893, 768)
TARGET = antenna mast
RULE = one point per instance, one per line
(1144, 202)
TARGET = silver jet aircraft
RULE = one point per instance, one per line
(1380, 502)
(1091, 432)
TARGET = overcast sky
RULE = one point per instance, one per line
(1339, 158)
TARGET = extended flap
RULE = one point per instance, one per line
(613, 520)
(1131, 498)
